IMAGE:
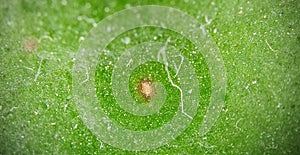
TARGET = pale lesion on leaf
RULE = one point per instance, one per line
(146, 88)
(30, 44)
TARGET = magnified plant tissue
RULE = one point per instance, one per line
(146, 88)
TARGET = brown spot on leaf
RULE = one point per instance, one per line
(30, 45)
(146, 88)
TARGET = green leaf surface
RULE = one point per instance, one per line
(259, 42)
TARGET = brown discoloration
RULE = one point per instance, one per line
(30, 45)
(146, 88)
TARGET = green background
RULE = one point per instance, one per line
(259, 42)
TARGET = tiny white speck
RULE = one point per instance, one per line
(279, 105)
(81, 38)
(52, 123)
(10, 23)
(87, 5)
(106, 9)
(254, 82)
(126, 40)
(108, 29)
(13, 108)
(65, 107)
(127, 6)
(101, 145)
(215, 30)
(64, 2)
(129, 62)
(190, 91)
